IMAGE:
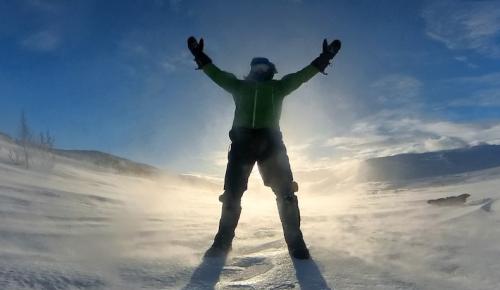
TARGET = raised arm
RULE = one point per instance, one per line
(293, 81)
(225, 80)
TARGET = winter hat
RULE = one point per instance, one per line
(257, 61)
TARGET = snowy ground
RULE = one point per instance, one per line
(79, 228)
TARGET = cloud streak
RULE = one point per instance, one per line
(388, 134)
(397, 89)
(42, 41)
(470, 25)
(485, 91)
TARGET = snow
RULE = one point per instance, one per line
(80, 227)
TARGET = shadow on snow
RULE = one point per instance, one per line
(208, 272)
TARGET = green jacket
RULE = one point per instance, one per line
(258, 104)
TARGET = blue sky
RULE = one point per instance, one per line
(116, 76)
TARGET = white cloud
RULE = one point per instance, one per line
(180, 60)
(473, 25)
(352, 142)
(43, 5)
(174, 4)
(482, 98)
(394, 125)
(397, 89)
(388, 134)
(492, 79)
(168, 66)
(443, 142)
(486, 91)
(465, 60)
(133, 48)
(141, 56)
(469, 132)
(44, 41)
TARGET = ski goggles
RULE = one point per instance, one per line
(261, 67)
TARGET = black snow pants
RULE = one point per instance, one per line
(262, 146)
(266, 148)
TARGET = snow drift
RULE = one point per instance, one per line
(81, 226)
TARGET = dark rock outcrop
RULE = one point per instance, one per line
(450, 200)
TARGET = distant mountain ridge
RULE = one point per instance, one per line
(5, 137)
(102, 159)
(119, 164)
(430, 164)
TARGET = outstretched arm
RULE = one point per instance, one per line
(293, 81)
(226, 80)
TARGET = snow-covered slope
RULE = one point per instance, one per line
(102, 159)
(75, 227)
(430, 164)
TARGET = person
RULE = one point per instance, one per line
(256, 138)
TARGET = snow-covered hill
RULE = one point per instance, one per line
(430, 164)
(81, 227)
(102, 159)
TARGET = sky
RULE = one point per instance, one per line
(116, 76)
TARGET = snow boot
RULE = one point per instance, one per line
(290, 220)
(224, 237)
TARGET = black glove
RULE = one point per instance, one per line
(196, 49)
(329, 51)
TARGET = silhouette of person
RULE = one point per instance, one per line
(256, 138)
